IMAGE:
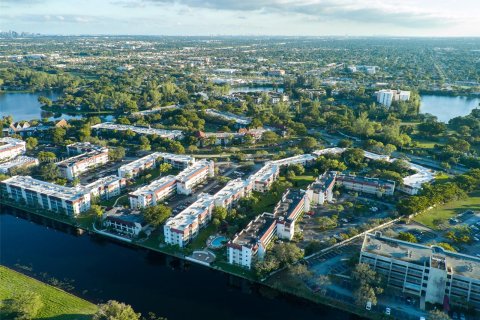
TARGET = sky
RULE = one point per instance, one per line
(244, 17)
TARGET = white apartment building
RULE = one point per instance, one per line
(303, 159)
(82, 147)
(233, 191)
(239, 120)
(18, 162)
(153, 193)
(11, 147)
(321, 190)
(387, 96)
(413, 184)
(124, 221)
(194, 175)
(107, 187)
(293, 204)
(378, 187)
(251, 243)
(182, 228)
(49, 196)
(432, 274)
(166, 134)
(178, 161)
(76, 165)
(263, 178)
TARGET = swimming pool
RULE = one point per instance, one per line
(218, 242)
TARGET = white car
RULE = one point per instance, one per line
(369, 305)
(387, 311)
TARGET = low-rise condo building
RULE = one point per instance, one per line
(378, 187)
(184, 227)
(82, 147)
(107, 187)
(124, 221)
(166, 134)
(153, 193)
(303, 159)
(134, 168)
(40, 194)
(194, 175)
(263, 178)
(293, 204)
(432, 274)
(321, 190)
(233, 191)
(251, 243)
(72, 167)
(11, 147)
(16, 163)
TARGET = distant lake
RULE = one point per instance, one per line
(447, 107)
(254, 89)
(25, 106)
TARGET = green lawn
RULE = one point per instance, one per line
(435, 217)
(57, 304)
(302, 181)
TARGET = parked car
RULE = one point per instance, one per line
(387, 311)
(369, 305)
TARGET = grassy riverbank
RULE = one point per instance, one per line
(57, 304)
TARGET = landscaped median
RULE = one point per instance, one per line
(55, 303)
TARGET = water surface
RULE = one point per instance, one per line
(448, 107)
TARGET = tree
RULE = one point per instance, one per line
(407, 236)
(438, 315)
(165, 167)
(59, 135)
(25, 305)
(45, 101)
(269, 137)
(116, 154)
(300, 271)
(114, 310)
(308, 143)
(32, 143)
(46, 156)
(287, 253)
(368, 284)
(219, 213)
(364, 294)
(49, 171)
(156, 215)
(96, 210)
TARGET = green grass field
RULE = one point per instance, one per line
(436, 216)
(57, 304)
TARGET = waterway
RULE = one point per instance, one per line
(100, 269)
(448, 107)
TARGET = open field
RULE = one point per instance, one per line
(435, 217)
(57, 304)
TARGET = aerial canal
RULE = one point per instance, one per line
(100, 269)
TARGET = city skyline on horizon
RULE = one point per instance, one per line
(317, 18)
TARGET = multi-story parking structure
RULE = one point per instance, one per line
(45, 195)
(182, 228)
(153, 193)
(432, 274)
(193, 175)
(11, 147)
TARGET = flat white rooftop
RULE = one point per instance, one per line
(334, 150)
(264, 173)
(188, 172)
(171, 134)
(47, 188)
(103, 181)
(293, 160)
(17, 162)
(8, 142)
(231, 188)
(186, 217)
(154, 186)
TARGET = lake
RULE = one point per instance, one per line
(253, 89)
(25, 106)
(101, 269)
(447, 107)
